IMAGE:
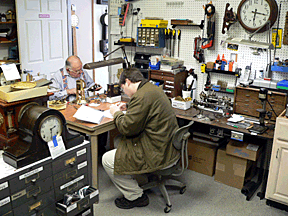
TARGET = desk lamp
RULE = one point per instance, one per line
(113, 90)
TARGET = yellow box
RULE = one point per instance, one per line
(154, 23)
(8, 95)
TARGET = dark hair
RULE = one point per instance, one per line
(133, 74)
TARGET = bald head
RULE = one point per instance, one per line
(74, 66)
(73, 61)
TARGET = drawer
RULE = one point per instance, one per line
(80, 207)
(47, 211)
(276, 99)
(86, 212)
(162, 73)
(69, 187)
(246, 95)
(34, 206)
(5, 205)
(247, 108)
(4, 189)
(69, 160)
(30, 177)
(32, 192)
(70, 174)
(160, 77)
(169, 93)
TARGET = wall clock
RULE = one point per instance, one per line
(253, 14)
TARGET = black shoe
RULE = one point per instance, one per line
(124, 203)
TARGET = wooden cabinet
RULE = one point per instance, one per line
(246, 101)
(172, 83)
(8, 33)
(277, 189)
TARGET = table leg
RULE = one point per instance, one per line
(94, 156)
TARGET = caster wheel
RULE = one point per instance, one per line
(182, 190)
(167, 209)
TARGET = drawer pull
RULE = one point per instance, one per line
(247, 95)
(35, 206)
(247, 100)
(34, 192)
(246, 104)
(71, 174)
(72, 187)
(33, 179)
(245, 110)
(83, 205)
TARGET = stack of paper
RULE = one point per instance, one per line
(89, 114)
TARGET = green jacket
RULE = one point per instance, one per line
(147, 128)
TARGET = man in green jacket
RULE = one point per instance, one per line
(147, 129)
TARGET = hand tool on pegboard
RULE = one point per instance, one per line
(198, 52)
(174, 41)
(229, 18)
(285, 38)
(210, 29)
(170, 39)
(123, 14)
(179, 39)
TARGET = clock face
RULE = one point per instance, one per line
(50, 126)
(253, 14)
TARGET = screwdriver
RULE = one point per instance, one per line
(179, 38)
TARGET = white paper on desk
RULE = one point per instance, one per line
(108, 114)
(10, 72)
(89, 114)
(56, 147)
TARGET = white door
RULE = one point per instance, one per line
(277, 187)
(42, 34)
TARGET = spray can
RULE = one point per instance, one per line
(191, 83)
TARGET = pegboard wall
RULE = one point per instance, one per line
(193, 10)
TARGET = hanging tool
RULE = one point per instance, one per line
(198, 52)
(174, 41)
(210, 30)
(179, 38)
(123, 14)
(170, 37)
(168, 41)
(166, 38)
(229, 18)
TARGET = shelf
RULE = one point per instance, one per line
(125, 43)
(221, 71)
(250, 43)
(8, 42)
(223, 91)
(8, 61)
(200, 26)
(7, 23)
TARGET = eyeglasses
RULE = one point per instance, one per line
(78, 71)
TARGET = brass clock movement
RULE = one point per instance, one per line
(255, 14)
(37, 126)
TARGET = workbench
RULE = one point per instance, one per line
(219, 128)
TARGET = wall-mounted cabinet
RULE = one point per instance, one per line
(8, 32)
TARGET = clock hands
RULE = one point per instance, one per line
(255, 12)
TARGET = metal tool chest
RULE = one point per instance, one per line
(37, 188)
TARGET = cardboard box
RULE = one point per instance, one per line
(8, 95)
(231, 170)
(184, 105)
(243, 150)
(201, 157)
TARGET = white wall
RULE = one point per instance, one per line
(84, 37)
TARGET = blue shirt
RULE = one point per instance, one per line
(57, 80)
